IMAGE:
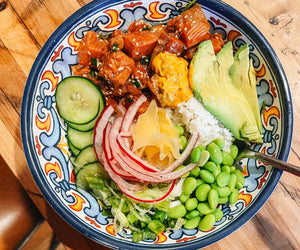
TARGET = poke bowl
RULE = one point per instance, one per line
(53, 160)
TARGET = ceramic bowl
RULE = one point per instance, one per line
(44, 132)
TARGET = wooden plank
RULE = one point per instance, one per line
(17, 39)
(43, 17)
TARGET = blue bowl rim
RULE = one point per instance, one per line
(231, 14)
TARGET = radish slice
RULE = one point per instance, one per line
(112, 148)
(130, 114)
(148, 166)
(99, 128)
(109, 156)
(122, 184)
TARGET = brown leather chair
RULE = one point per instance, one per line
(19, 218)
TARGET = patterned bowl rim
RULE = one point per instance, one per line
(283, 89)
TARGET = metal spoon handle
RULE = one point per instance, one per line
(274, 162)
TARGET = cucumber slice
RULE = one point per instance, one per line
(80, 139)
(85, 127)
(93, 169)
(86, 155)
(73, 150)
(78, 100)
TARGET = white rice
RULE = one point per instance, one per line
(194, 117)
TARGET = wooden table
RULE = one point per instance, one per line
(25, 25)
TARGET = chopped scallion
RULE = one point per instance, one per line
(115, 47)
(156, 226)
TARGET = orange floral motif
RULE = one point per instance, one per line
(233, 34)
(110, 229)
(269, 112)
(92, 222)
(154, 13)
(38, 145)
(263, 180)
(132, 5)
(247, 198)
(57, 53)
(218, 22)
(72, 177)
(72, 41)
(186, 239)
(261, 72)
(63, 145)
(53, 167)
(114, 16)
(161, 238)
(43, 124)
(78, 205)
(48, 75)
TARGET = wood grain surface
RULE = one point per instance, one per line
(25, 25)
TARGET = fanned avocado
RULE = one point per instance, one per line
(212, 85)
(243, 76)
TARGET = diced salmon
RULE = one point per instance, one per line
(159, 29)
(168, 42)
(138, 26)
(141, 74)
(91, 46)
(217, 41)
(192, 26)
(189, 53)
(117, 67)
(139, 44)
(171, 43)
(116, 40)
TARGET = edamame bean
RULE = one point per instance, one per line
(223, 191)
(202, 147)
(204, 208)
(226, 169)
(223, 200)
(220, 142)
(202, 192)
(199, 182)
(232, 169)
(192, 214)
(192, 223)
(207, 176)
(180, 129)
(191, 204)
(227, 158)
(195, 172)
(240, 177)
(215, 153)
(217, 171)
(223, 179)
(232, 182)
(184, 142)
(233, 197)
(213, 198)
(218, 213)
(176, 212)
(234, 150)
(184, 197)
(189, 185)
(239, 185)
(207, 222)
(210, 166)
(195, 155)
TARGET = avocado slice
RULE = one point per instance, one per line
(212, 85)
(243, 76)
